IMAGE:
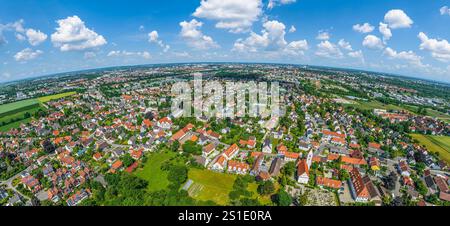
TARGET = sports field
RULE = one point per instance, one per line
(440, 144)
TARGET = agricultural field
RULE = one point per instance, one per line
(19, 106)
(439, 144)
(152, 173)
(370, 105)
(55, 96)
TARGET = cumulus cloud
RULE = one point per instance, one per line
(323, 35)
(396, 18)
(272, 38)
(123, 53)
(35, 37)
(439, 48)
(345, 45)
(153, 37)
(233, 15)
(444, 10)
(372, 42)
(385, 31)
(89, 55)
(328, 50)
(364, 28)
(194, 37)
(409, 56)
(292, 29)
(273, 3)
(27, 54)
(72, 34)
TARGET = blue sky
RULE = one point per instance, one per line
(405, 37)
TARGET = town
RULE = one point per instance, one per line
(109, 137)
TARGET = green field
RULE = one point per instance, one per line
(18, 106)
(440, 144)
(210, 185)
(152, 173)
(370, 105)
(54, 97)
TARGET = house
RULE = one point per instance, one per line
(208, 149)
(374, 164)
(237, 167)
(231, 152)
(165, 123)
(78, 197)
(302, 172)
(263, 176)
(267, 146)
(358, 188)
(403, 168)
(441, 184)
(97, 156)
(275, 166)
(220, 163)
(117, 165)
(290, 156)
(338, 141)
(375, 148)
(329, 183)
(372, 189)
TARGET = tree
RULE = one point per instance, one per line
(344, 175)
(266, 187)
(127, 160)
(177, 174)
(282, 198)
(48, 146)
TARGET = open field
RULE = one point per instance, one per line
(210, 185)
(151, 172)
(19, 106)
(370, 105)
(54, 97)
(213, 186)
(430, 112)
(440, 144)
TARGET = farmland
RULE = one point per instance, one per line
(439, 144)
(54, 97)
(16, 113)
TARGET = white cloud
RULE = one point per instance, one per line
(445, 10)
(72, 34)
(296, 47)
(364, 28)
(6, 75)
(345, 45)
(372, 42)
(141, 28)
(292, 29)
(194, 37)
(323, 35)
(355, 54)
(153, 37)
(272, 39)
(35, 37)
(20, 37)
(273, 3)
(328, 50)
(440, 49)
(396, 18)
(27, 54)
(89, 55)
(123, 53)
(233, 15)
(385, 31)
(409, 56)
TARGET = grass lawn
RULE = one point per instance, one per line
(55, 96)
(151, 172)
(440, 144)
(17, 106)
(370, 105)
(9, 126)
(210, 185)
